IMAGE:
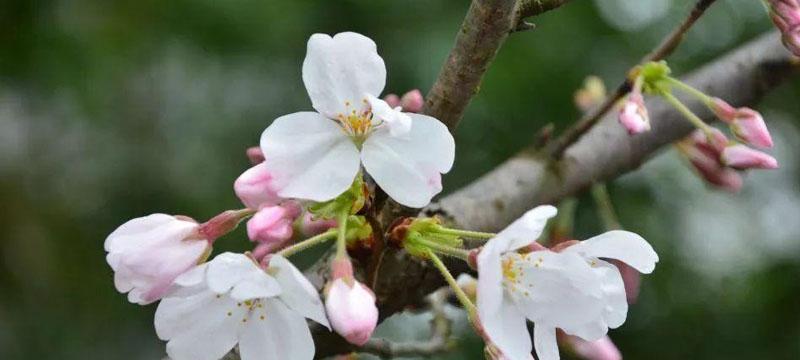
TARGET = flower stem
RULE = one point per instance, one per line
(678, 105)
(472, 311)
(691, 90)
(308, 243)
(465, 233)
(341, 241)
(455, 252)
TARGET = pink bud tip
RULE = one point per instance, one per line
(310, 226)
(749, 126)
(633, 115)
(255, 155)
(392, 99)
(742, 157)
(412, 101)
(273, 224)
(351, 310)
(254, 187)
(723, 110)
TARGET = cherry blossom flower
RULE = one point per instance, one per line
(148, 253)
(316, 155)
(572, 290)
(230, 300)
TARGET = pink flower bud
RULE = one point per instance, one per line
(310, 226)
(254, 188)
(148, 253)
(633, 115)
(351, 310)
(602, 349)
(273, 224)
(711, 142)
(412, 101)
(392, 99)
(704, 154)
(786, 16)
(221, 224)
(255, 155)
(749, 126)
(723, 110)
(742, 157)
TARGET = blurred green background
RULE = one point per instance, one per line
(111, 110)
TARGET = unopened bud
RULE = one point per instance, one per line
(255, 155)
(254, 188)
(392, 99)
(351, 309)
(742, 157)
(749, 126)
(633, 115)
(273, 224)
(412, 101)
(602, 349)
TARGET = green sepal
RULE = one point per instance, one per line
(654, 75)
(350, 202)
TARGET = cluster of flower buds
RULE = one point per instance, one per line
(718, 160)
(786, 16)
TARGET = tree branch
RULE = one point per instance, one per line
(664, 49)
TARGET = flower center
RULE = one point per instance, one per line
(357, 123)
(514, 282)
(248, 310)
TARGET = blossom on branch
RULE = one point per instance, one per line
(316, 155)
(572, 290)
(231, 300)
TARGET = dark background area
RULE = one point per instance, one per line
(114, 110)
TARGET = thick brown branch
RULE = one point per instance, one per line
(485, 28)
(664, 49)
(605, 152)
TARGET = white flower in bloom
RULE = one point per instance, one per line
(148, 253)
(572, 290)
(231, 300)
(316, 155)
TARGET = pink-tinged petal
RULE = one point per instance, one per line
(392, 99)
(351, 310)
(310, 157)
(544, 338)
(625, 246)
(409, 167)
(602, 349)
(281, 334)
(273, 224)
(255, 187)
(309, 226)
(297, 292)
(742, 157)
(749, 126)
(723, 110)
(148, 253)
(338, 71)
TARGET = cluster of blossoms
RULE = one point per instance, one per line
(307, 186)
(716, 158)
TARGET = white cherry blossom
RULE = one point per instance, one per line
(572, 290)
(316, 155)
(230, 300)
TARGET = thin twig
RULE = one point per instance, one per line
(605, 208)
(439, 341)
(664, 49)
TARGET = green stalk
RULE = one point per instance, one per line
(465, 233)
(472, 311)
(308, 243)
(341, 241)
(678, 105)
(458, 253)
(691, 90)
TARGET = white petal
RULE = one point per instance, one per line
(525, 230)
(398, 122)
(297, 291)
(616, 309)
(625, 246)
(544, 338)
(241, 276)
(310, 157)
(147, 230)
(556, 289)
(508, 329)
(408, 167)
(490, 280)
(197, 327)
(339, 70)
(282, 334)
